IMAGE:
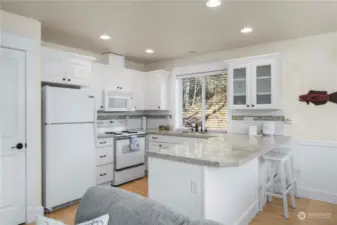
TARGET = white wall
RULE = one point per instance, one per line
(128, 64)
(25, 34)
(308, 63)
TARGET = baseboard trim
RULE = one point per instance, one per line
(33, 212)
(317, 195)
(249, 214)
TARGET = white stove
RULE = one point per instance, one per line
(129, 162)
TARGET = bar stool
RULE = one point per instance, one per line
(281, 179)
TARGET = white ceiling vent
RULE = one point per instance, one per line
(112, 59)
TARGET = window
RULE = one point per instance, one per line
(203, 100)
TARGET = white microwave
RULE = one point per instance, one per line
(118, 101)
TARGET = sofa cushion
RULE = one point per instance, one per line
(126, 208)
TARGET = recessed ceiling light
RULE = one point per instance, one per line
(149, 50)
(246, 30)
(104, 37)
(213, 3)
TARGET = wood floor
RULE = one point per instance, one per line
(317, 213)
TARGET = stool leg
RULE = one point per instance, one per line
(292, 190)
(294, 175)
(283, 189)
(271, 176)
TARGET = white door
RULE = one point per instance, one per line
(12, 137)
(66, 105)
(240, 86)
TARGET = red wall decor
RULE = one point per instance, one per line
(318, 97)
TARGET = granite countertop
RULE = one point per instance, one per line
(174, 133)
(222, 150)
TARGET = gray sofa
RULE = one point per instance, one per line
(126, 208)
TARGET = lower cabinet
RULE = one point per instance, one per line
(104, 160)
(104, 174)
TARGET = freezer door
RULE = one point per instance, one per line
(69, 167)
(66, 105)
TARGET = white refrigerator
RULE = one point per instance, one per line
(68, 149)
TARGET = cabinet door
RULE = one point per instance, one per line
(79, 72)
(153, 91)
(240, 83)
(53, 68)
(97, 85)
(263, 88)
(138, 88)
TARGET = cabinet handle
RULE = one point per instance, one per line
(102, 174)
(154, 137)
(102, 156)
(247, 105)
(103, 142)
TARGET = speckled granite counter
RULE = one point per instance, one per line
(177, 133)
(223, 150)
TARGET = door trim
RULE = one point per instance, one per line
(33, 118)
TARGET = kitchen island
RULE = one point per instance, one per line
(214, 178)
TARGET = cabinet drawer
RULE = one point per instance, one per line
(104, 155)
(103, 142)
(104, 173)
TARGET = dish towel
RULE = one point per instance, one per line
(134, 146)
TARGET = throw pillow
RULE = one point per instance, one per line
(102, 220)
(41, 220)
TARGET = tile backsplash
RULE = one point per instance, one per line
(241, 120)
(134, 119)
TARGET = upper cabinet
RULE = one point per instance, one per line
(65, 68)
(255, 83)
(156, 89)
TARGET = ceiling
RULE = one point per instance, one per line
(173, 28)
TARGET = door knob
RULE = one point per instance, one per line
(18, 146)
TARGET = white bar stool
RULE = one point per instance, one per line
(280, 171)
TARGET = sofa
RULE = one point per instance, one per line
(126, 208)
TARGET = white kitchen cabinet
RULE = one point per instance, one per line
(65, 68)
(138, 88)
(156, 89)
(255, 83)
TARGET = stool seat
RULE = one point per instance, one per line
(277, 156)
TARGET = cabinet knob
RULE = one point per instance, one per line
(247, 105)
(64, 79)
(69, 80)
(101, 107)
(158, 107)
(252, 105)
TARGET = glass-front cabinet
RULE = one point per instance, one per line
(240, 82)
(255, 83)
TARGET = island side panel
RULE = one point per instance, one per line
(231, 194)
(176, 185)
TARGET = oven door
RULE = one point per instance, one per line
(125, 157)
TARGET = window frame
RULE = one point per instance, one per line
(179, 99)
